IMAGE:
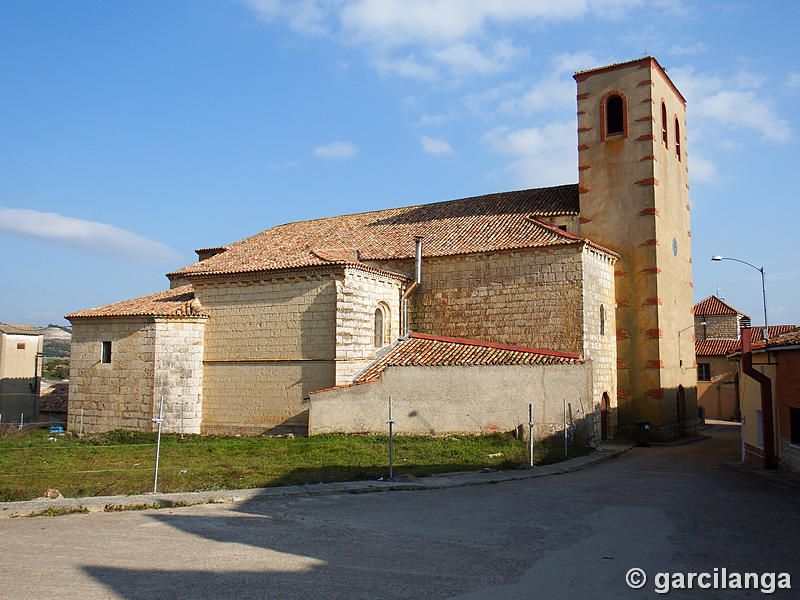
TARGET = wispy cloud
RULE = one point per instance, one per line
(436, 146)
(702, 170)
(688, 49)
(89, 237)
(733, 102)
(427, 39)
(336, 150)
(794, 80)
(541, 156)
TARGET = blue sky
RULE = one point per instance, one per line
(133, 133)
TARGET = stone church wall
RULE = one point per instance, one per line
(112, 395)
(600, 340)
(178, 359)
(357, 298)
(269, 342)
(529, 297)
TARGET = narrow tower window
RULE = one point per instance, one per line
(378, 328)
(677, 139)
(602, 319)
(614, 116)
(664, 125)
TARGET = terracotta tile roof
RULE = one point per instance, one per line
(788, 338)
(714, 306)
(479, 224)
(56, 399)
(176, 302)
(715, 347)
(775, 332)
(16, 329)
(420, 350)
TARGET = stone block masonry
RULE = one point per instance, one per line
(358, 296)
(271, 340)
(529, 297)
(118, 394)
(178, 374)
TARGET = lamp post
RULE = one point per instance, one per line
(765, 332)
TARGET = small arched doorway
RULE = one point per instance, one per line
(604, 402)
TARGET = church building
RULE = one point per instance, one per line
(463, 311)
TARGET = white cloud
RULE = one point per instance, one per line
(90, 237)
(435, 146)
(685, 50)
(407, 67)
(569, 62)
(469, 58)
(732, 102)
(336, 150)
(744, 110)
(702, 170)
(547, 94)
(555, 91)
(444, 34)
(541, 156)
(794, 80)
(304, 16)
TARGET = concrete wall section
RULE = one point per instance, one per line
(358, 295)
(112, 395)
(18, 355)
(18, 377)
(720, 396)
(463, 399)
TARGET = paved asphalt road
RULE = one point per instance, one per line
(662, 509)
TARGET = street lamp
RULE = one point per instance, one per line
(765, 333)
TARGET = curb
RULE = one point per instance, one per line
(181, 499)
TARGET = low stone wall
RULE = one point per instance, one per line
(461, 399)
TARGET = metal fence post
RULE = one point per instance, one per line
(391, 457)
(566, 452)
(158, 444)
(530, 429)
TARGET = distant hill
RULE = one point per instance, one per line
(56, 340)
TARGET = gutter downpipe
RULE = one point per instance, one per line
(417, 280)
(768, 429)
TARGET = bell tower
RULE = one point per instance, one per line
(634, 199)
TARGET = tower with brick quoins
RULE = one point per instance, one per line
(634, 199)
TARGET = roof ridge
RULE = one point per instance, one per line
(370, 212)
(466, 342)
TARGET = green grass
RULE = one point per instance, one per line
(122, 462)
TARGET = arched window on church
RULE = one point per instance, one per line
(615, 122)
(602, 319)
(378, 327)
(664, 137)
(383, 325)
(677, 138)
